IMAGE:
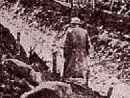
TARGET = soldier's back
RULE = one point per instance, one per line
(79, 37)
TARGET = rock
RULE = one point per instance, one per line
(28, 71)
(13, 80)
(49, 89)
(121, 90)
(102, 82)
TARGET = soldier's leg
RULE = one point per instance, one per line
(66, 63)
(85, 71)
(85, 74)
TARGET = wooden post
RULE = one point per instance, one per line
(71, 4)
(0, 36)
(18, 37)
(18, 43)
(109, 92)
(87, 77)
(54, 62)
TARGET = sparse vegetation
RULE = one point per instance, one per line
(108, 29)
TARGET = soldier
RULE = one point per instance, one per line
(76, 51)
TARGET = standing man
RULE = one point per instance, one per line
(76, 50)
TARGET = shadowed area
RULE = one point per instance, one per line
(44, 93)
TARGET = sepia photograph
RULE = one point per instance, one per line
(64, 48)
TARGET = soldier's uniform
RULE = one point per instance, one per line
(75, 52)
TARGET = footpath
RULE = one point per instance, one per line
(43, 42)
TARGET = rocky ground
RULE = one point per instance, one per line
(109, 59)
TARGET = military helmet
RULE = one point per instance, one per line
(75, 20)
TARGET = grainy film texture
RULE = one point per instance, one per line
(64, 49)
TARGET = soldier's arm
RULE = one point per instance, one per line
(87, 44)
(67, 44)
